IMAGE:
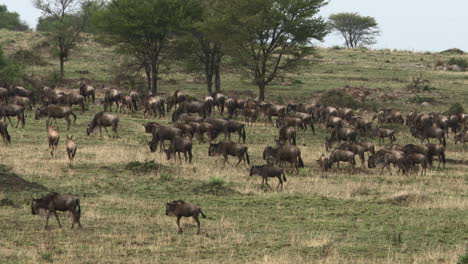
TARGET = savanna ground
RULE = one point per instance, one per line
(338, 217)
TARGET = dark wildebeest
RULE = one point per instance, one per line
(284, 153)
(436, 150)
(270, 110)
(126, 101)
(287, 134)
(88, 92)
(54, 202)
(250, 115)
(180, 208)
(71, 150)
(209, 105)
(190, 107)
(112, 96)
(339, 134)
(53, 112)
(136, 99)
(219, 100)
(205, 127)
(20, 100)
(53, 137)
(357, 149)
(12, 110)
(233, 126)
(178, 145)
(190, 118)
(334, 122)
(345, 113)
(4, 133)
(71, 99)
(154, 105)
(429, 132)
(105, 120)
(369, 146)
(21, 91)
(178, 98)
(162, 133)
(385, 158)
(461, 138)
(324, 162)
(383, 133)
(227, 148)
(416, 158)
(306, 119)
(3, 95)
(338, 155)
(187, 130)
(266, 171)
(363, 126)
(290, 121)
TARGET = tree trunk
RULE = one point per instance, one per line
(217, 66)
(217, 79)
(148, 76)
(62, 62)
(154, 71)
(261, 88)
(209, 72)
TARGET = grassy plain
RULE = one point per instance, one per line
(338, 217)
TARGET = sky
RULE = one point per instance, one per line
(416, 25)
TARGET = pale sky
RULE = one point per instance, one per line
(418, 25)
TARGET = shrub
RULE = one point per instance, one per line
(463, 259)
(336, 47)
(9, 71)
(217, 181)
(420, 99)
(453, 51)
(462, 63)
(456, 108)
(338, 98)
(28, 57)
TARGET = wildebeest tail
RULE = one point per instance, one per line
(312, 126)
(247, 156)
(444, 143)
(78, 208)
(74, 117)
(301, 162)
(202, 214)
(284, 176)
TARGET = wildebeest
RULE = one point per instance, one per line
(209, 104)
(363, 126)
(12, 110)
(429, 132)
(416, 158)
(266, 171)
(20, 100)
(385, 158)
(112, 96)
(126, 101)
(53, 137)
(53, 112)
(324, 162)
(287, 134)
(339, 134)
(162, 133)
(270, 110)
(154, 105)
(338, 155)
(357, 149)
(284, 153)
(233, 126)
(383, 133)
(190, 107)
(228, 148)
(205, 127)
(436, 150)
(289, 121)
(179, 208)
(334, 122)
(4, 133)
(176, 100)
(70, 99)
(306, 119)
(71, 150)
(369, 146)
(3, 94)
(461, 138)
(187, 130)
(250, 115)
(54, 202)
(219, 100)
(103, 119)
(88, 92)
(178, 145)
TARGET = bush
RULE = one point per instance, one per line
(456, 108)
(339, 99)
(28, 57)
(421, 99)
(462, 63)
(217, 181)
(453, 51)
(9, 71)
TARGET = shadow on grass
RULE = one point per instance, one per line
(10, 182)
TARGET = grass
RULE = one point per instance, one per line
(338, 217)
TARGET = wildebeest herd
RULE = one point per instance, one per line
(197, 119)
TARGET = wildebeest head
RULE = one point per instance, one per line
(170, 207)
(371, 162)
(213, 149)
(38, 114)
(89, 131)
(253, 170)
(34, 207)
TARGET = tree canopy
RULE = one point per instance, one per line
(356, 30)
(144, 29)
(11, 20)
(269, 37)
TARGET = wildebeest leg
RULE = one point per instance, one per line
(116, 134)
(107, 132)
(100, 131)
(47, 220)
(198, 223)
(266, 182)
(56, 217)
(9, 120)
(178, 224)
(240, 159)
(68, 122)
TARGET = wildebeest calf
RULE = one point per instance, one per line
(266, 171)
(54, 138)
(71, 150)
(54, 202)
(179, 208)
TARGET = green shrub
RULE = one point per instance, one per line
(463, 259)
(456, 108)
(336, 47)
(339, 99)
(420, 99)
(462, 63)
(28, 57)
(217, 181)
(9, 71)
(139, 167)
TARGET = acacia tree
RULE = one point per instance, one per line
(143, 29)
(269, 37)
(356, 30)
(67, 24)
